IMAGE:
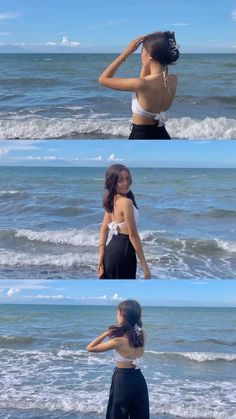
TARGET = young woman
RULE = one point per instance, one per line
(154, 90)
(128, 397)
(117, 257)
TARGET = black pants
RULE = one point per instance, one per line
(128, 397)
(120, 259)
(148, 132)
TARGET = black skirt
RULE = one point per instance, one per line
(128, 397)
(120, 258)
(148, 132)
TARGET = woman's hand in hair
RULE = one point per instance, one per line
(133, 45)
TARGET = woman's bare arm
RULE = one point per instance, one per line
(97, 345)
(102, 242)
(134, 236)
(130, 84)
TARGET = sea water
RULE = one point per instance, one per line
(50, 221)
(58, 96)
(46, 372)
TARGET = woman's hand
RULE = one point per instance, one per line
(100, 270)
(147, 272)
(133, 46)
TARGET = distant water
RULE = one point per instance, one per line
(189, 364)
(50, 220)
(58, 96)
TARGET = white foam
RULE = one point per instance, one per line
(208, 128)
(66, 260)
(228, 246)
(37, 127)
(9, 192)
(72, 236)
(41, 128)
(69, 382)
(198, 356)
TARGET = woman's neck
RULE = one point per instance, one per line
(156, 67)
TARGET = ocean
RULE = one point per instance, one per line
(46, 372)
(50, 221)
(58, 96)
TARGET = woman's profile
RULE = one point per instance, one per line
(119, 241)
(128, 392)
(154, 90)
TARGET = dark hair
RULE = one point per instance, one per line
(131, 312)
(111, 179)
(162, 47)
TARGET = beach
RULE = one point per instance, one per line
(189, 363)
(50, 221)
(58, 96)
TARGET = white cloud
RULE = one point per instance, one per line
(116, 297)
(66, 43)
(99, 158)
(8, 15)
(51, 44)
(103, 297)
(12, 291)
(3, 151)
(181, 24)
(5, 33)
(23, 284)
(44, 158)
(234, 14)
(112, 157)
(49, 297)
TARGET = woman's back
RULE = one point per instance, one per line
(158, 95)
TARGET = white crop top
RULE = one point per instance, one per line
(137, 108)
(114, 227)
(135, 361)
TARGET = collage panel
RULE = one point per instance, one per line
(52, 210)
(48, 329)
(171, 56)
(77, 213)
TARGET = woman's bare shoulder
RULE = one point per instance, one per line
(124, 201)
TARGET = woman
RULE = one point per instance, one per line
(117, 258)
(154, 90)
(128, 393)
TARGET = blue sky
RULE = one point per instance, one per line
(212, 293)
(208, 154)
(92, 26)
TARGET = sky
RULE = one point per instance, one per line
(207, 293)
(108, 26)
(98, 153)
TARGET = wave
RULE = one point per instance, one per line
(65, 260)
(31, 82)
(88, 237)
(73, 236)
(195, 245)
(218, 213)
(11, 341)
(13, 194)
(95, 127)
(196, 356)
(209, 340)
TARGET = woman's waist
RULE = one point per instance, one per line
(121, 235)
(125, 365)
(152, 120)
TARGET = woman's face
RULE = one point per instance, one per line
(123, 183)
(119, 317)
